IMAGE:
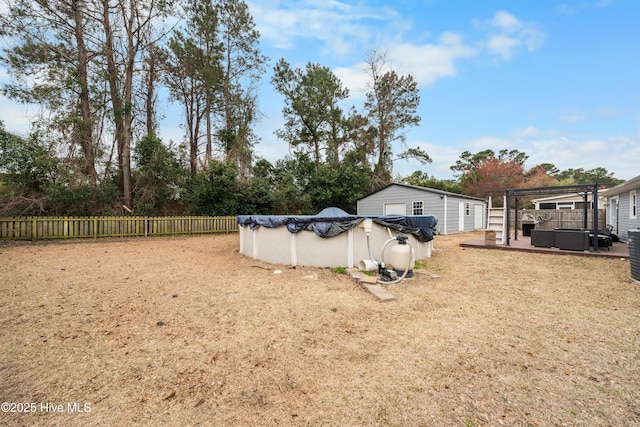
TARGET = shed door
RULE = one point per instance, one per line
(395, 209)
(478, 217)
(461, 216)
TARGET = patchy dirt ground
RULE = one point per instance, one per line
(186, 331)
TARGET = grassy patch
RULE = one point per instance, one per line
(420, 265)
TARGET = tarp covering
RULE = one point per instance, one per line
(333, 221)
(421, 227)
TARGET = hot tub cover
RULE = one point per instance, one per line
(332, 221)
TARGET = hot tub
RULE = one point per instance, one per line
(332, 238)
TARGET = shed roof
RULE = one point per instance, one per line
(425, 189)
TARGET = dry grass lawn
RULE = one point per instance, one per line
(186, 331)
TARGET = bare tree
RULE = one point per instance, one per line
(126, 26)
(390, 105)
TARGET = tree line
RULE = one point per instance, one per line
(96, 68)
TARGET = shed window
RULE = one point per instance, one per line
(633, 204)
(418, 208)
(547, 205)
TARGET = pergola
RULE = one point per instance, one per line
(585, 189)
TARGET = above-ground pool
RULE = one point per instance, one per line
(332, 238)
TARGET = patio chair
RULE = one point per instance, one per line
(605, 239)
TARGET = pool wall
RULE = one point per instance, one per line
(278, 246)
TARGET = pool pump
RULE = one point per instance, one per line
(401, 260)
(386, 274)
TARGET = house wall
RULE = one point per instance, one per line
(567, 201)
(625, 222)
(434, 204)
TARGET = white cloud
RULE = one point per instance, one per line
(430, 62)
(573, 117)
(573, 9)
(604, 3)
(17, 118)
(506, 21)
(427, 63)
(609, 112)
(489, 142)
(443, 158)
(503, 45)
(526, 132)
(506, 34)
(615, 153)
(279, 26)
(533, 37)
(354, 78)
(566, 10)
(594, 146)
(340, 28)
(611, 153)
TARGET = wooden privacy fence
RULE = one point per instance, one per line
(547, 219)
(37, 228)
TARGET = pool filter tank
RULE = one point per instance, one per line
(400, 257)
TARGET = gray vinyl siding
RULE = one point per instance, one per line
(451, 223)
(453, 209)
(623, 193)
(625, 223)
(374, 203)
(433, 202)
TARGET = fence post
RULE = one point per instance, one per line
(68, 228)
(34, 229)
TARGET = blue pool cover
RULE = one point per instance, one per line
(333, 221)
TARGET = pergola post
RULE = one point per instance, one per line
(507, 203)
(595, 218)
(515, 226)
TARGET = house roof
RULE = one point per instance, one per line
(622, 188)
(578, 197)
(425, 189)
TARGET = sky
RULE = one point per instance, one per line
(557, 80)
